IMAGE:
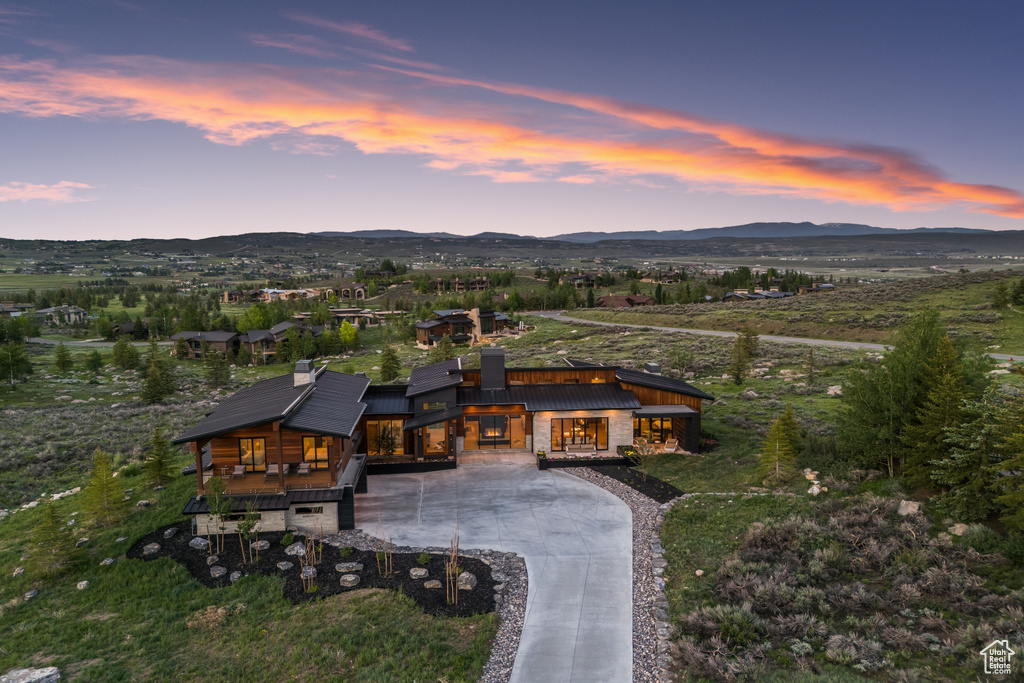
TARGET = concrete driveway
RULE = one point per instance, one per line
(575, 537)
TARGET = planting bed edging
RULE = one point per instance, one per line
(414, 467)
(508, 570)
(564, 463)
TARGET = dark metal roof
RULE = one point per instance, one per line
(257, 335)
(386, 400)
(265, 502)
(211, 336)
(427, 324)
(652, 381)
(445, 312)
(601, 396)
(333, 408)
(581, 363)
(433, 418)
(280, 327)
(433, 377)
(665, 411)
(329, 406)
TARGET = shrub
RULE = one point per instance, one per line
(288, 539)
(423, 559)
(346, 551)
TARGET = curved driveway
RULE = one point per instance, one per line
(576, 539)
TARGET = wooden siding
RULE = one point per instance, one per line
(660, 397)
(546, 375)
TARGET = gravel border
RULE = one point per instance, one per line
(507, 569)
(651, 628)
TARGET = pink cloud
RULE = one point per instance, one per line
(60, 193)
(304, 45)
(354, 29)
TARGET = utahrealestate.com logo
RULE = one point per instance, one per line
(997, 656)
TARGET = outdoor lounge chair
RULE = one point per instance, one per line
(238, 472)
(271, 472)
(303, 469)
(671, 445)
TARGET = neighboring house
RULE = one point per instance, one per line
(461, 326)
(13, 310)
(223, 342)
(299, 446)
(269, 294)
(578, 280)
(131, 328)
(355, 316)
(70, 315)
(623, 301)
(263, 343)
(817, 288)
(356, 290)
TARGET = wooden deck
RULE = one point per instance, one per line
(254, 482)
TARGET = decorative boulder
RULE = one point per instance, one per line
(199, 543)
(122, 539)
(169, 533)
(260, 545)
(50, 674)
(467, 581)
(107, 561)
(835, 390)
(349, 580)
(143, 504)
(296, 549)
(211, 560)
(814, 490)
(217, 572)
(31, 594)
(908, 507)
(418, 573)
(433, 583)
(150, 549)
(82, 585)
(958, 529)
(235, 576)
(348, 567)
(309, 572)
(284, 566)
(18, 571)
(699, 572)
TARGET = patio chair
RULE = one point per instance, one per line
(272, 471)
(671, 445)
(238, 472)
(303, 470)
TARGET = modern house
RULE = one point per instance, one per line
(355, 290)
(299, 446)
(623, 301)
(263, 343)
(71, 315)
(578, 280)
(223, 342)
(461, 326)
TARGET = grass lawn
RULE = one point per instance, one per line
(132, 622)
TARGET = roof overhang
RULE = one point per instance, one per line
(665, 411)
(432, 418)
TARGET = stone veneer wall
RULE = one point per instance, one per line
(327, 521)
(270, 520)
(620, 426)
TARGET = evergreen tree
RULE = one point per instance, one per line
(942, 410)
(778, 453)
(739, 361)
(590, 298)
(389, 365)
(750, 340)
(62, 358)
(215, 368)
(14, 363)
(126, 356)
(159, 465)
(967, 472)
(154, 387)
(94, 361)
(244, 356)
(1009, 486)
(811, 365)
(53, 546)
(180, 348)
(441, 351)
(104, 496)
(659, 296)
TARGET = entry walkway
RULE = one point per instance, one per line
(575, 537)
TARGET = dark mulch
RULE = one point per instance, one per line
(432, 600)
(652, 487)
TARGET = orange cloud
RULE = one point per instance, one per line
(507, 132)
(352, 28)
(61, 193)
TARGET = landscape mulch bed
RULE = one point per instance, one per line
(652, 487)
(432, 600)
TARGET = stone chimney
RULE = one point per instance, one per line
(652, 368)
(304, 373)
(492, 368)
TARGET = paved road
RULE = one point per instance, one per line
(575, 537)
(556, 315)
(90, 342)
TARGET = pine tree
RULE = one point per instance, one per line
(104, 496)
(180, 348)
(154, 384)
(441, 351)
(159, 465)
(590, 298)
(62, 358)
(216, 369)
(14, 363)
(389, 365)
(943, 409)
(244, 356)
(1009, 481)
(53, 546)
(739, 361)
(751, 341)
(811, 365)
(126, 356)
(94, 361)
(778, 453)
(967, 472)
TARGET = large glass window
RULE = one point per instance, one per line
(384, 437)
(314, 451)
(435, 439)
(579, 430)
(253, 454)
(495, 431)
(654, 429)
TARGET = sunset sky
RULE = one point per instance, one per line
(196, 118)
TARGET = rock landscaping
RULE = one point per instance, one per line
(358, 568)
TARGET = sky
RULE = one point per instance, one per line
(191, 118)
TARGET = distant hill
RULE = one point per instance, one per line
(384, 234)
(764, 230)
